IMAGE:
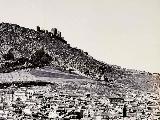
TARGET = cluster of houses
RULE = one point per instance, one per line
(50, 102)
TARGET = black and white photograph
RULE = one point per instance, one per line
(79, 60)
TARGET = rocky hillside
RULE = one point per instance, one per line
(22, 48)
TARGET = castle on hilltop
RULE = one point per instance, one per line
(54, 33)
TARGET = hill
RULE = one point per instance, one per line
(23, 48)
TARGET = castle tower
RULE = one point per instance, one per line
(38, 28)
(59, 34)
(54, 31)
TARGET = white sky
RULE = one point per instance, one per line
(121, 32)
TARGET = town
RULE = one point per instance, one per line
(63, 100)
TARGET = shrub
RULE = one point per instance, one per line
(40, 58)
(8, 56)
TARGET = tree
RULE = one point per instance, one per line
(8, 56)
(86, 72)
(40, 58)
(106, 78)
(21, 61)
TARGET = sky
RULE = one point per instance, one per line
(119, 32)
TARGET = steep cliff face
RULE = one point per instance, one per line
(23, 47)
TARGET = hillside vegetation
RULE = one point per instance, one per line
(22, 48)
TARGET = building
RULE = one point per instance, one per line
(116, 100)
